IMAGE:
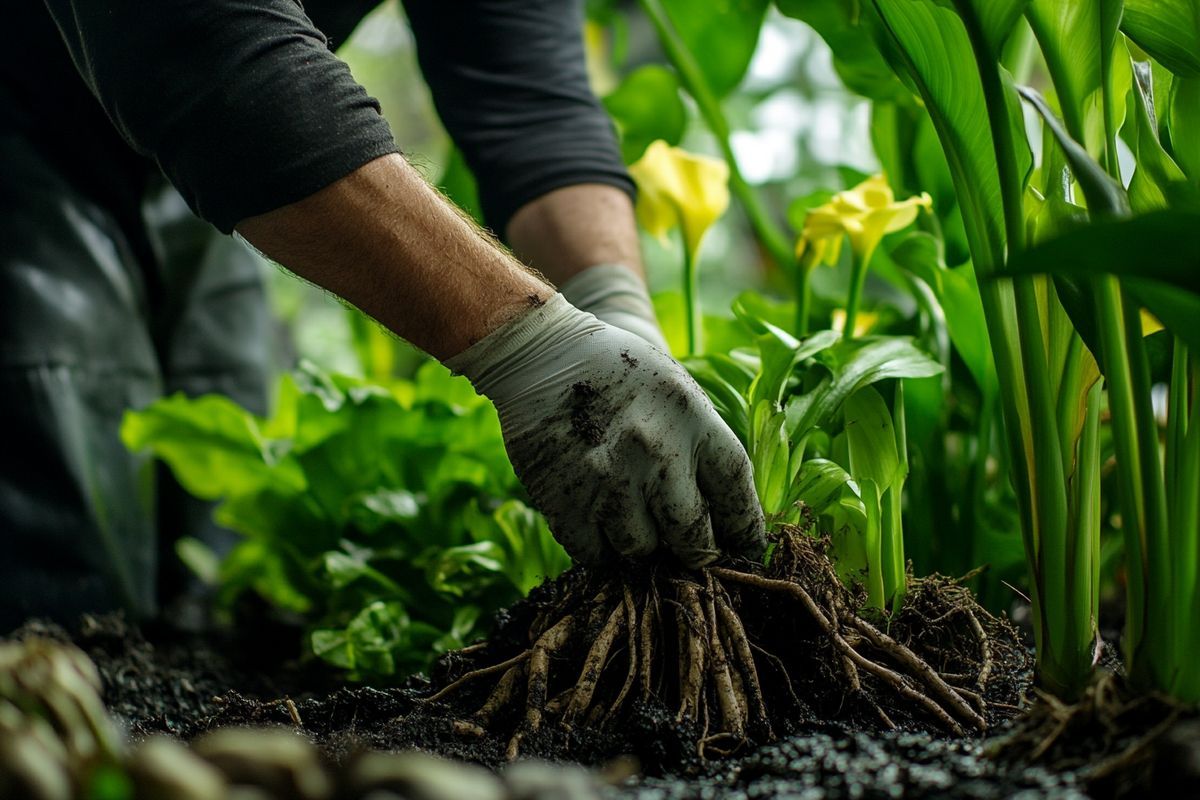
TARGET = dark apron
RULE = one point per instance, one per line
(100, 313)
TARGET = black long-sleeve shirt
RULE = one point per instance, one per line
(243, 105)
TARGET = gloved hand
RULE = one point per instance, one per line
(617, 296)
(617, 445)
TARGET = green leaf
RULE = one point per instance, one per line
(853, 365)
(932, 49)
(1162, 246)
(958, 294)
(213, 446)
(820, 484)
(1183, 121)
(850, 33)
(871, 439)
(1077, 38)
(721, 34)
(996, 18)
(647, 106)
(1104, 195)
(1169, 30)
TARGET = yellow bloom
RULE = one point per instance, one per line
(676, 187)
(863, 322)
(865, 214)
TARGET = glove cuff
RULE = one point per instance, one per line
(493, 357)
(615, 294)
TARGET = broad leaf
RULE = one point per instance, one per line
(933, 50)
(853, 365)
(871, 439)
(721, 35)
(1078, 38)
(646, 106)
(1169, 30)
(848, 29)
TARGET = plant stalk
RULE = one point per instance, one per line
(769, 233)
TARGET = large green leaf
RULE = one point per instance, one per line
(1183, 121)
(848, 30)
(720, 34)
(1162, 246)
(996, 18)
(1169, 30)
(1157, 181)
(646, 106)
(1157, 257)
(213, 446)
(1077, 38)
(933, 50)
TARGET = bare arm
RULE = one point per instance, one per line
(568, 230)
(382, 239)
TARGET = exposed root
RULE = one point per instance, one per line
(600, 649)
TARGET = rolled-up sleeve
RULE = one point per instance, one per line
(510, 83)
(240, 102)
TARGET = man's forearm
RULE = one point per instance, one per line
(384, 240)
(568, 230)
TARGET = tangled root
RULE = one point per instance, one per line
(722, 649)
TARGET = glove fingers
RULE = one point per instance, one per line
(682, 516)
(626, 524)
(727, 480)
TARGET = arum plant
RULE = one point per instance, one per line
(678, 189)
(863, 214)
(822, 439)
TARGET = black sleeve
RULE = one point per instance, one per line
(510, 84)
(240, 102)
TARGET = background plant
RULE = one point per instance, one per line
(387, 517)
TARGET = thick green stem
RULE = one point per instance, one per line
(770, 234)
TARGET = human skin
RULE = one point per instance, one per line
(565, 231)
(384, 240)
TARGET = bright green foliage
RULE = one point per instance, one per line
(818, 432)
(384, 515)
(646, 106)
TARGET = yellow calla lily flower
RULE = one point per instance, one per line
(864, 214)
(676, 187)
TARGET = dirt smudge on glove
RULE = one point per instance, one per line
(587, 420)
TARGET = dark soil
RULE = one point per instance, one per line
(161, 680)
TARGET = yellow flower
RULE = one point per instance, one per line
(865, 214)
(676, 187)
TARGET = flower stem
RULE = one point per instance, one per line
(691, 299)
(772, 236)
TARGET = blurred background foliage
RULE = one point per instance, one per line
(796, 131)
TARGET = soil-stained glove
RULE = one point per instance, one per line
(617, 296)
(617, 445)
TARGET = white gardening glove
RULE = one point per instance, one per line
(616, 295)
(617, 445)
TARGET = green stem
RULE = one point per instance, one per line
(858, 279)
(773, 238)
(691, 299)
(803, 301)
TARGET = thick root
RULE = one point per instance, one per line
(601, 650)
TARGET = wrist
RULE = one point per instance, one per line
(616, 294)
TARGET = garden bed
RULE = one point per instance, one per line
(161, 680)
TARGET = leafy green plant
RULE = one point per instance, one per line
(385, 516)
(819, 433)
(1053, 339)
